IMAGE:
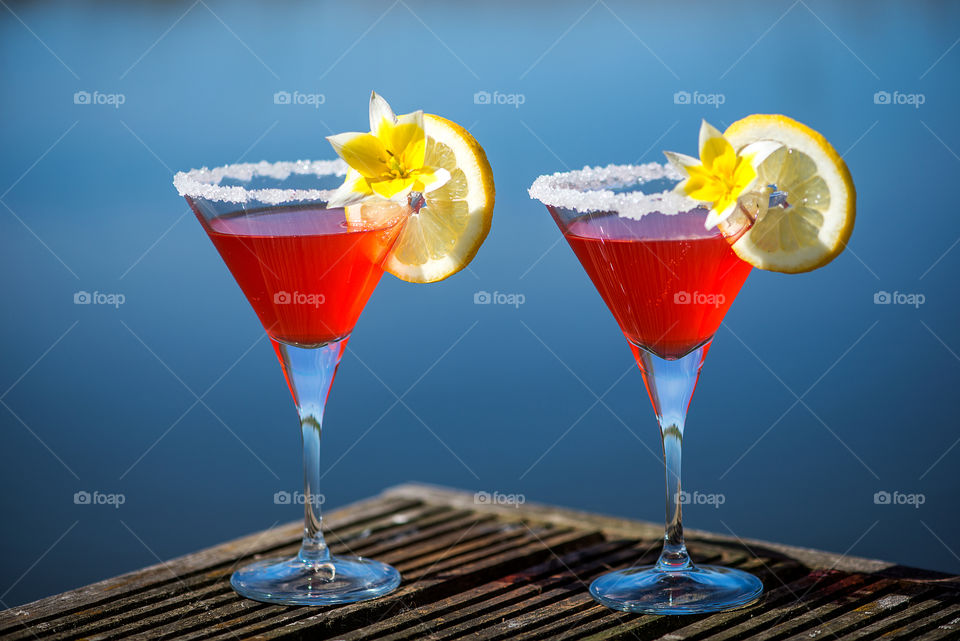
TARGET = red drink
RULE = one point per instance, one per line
(667, 280)
(306, 273)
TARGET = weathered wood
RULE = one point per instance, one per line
(477, 570)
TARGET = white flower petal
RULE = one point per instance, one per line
(681, 161)
(402, 197)
(757, 152)
(681, 187)
(707, 131)
(416, 118)
(714, 217)
(352, 191)
(344, 197)
(339, 140)
(379, 111)
(442, 177)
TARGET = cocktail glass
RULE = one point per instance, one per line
(668, 282)
(307, 273)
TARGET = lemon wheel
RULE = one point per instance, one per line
(813, 223)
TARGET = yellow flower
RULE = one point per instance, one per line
(388, 161)
(721, 175)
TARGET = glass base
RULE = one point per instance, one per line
(296, 582)
(704, 588)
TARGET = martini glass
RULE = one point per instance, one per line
(307, 274)
(668, 282)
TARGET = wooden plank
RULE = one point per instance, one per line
(167, 573)
(499, 599)
(947, 625)
(206, 576)
(220, 603)
(466, 604)
(501, 560)
(884, 598)
(910, 623)
(497, 572)
(697, 627)
(799, 605)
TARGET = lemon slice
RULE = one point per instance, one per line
(814, 221)
(444, 236)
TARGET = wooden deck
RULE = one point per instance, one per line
(497, 572)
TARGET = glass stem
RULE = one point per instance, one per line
(314, 548)
(310, 372)
(670, 384)
(674, 555)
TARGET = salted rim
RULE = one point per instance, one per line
(205, 183)
(589, 190)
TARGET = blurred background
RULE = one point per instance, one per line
(816, 398)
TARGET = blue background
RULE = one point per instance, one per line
(97, 398)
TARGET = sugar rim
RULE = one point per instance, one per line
(589, 190)
(205, 183)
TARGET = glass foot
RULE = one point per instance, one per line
(704, 588)
(296, 582)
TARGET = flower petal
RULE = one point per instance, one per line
(707, 132)
(718, 156)
(702, 185)
(757, 152)
(409, 140)
(364, 152)
(431, 178)
(393, 188)
(744, 176)
(353, 190)
(380, 112)
(681, 161)
(715, 217)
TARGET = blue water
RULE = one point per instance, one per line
(103, 398)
